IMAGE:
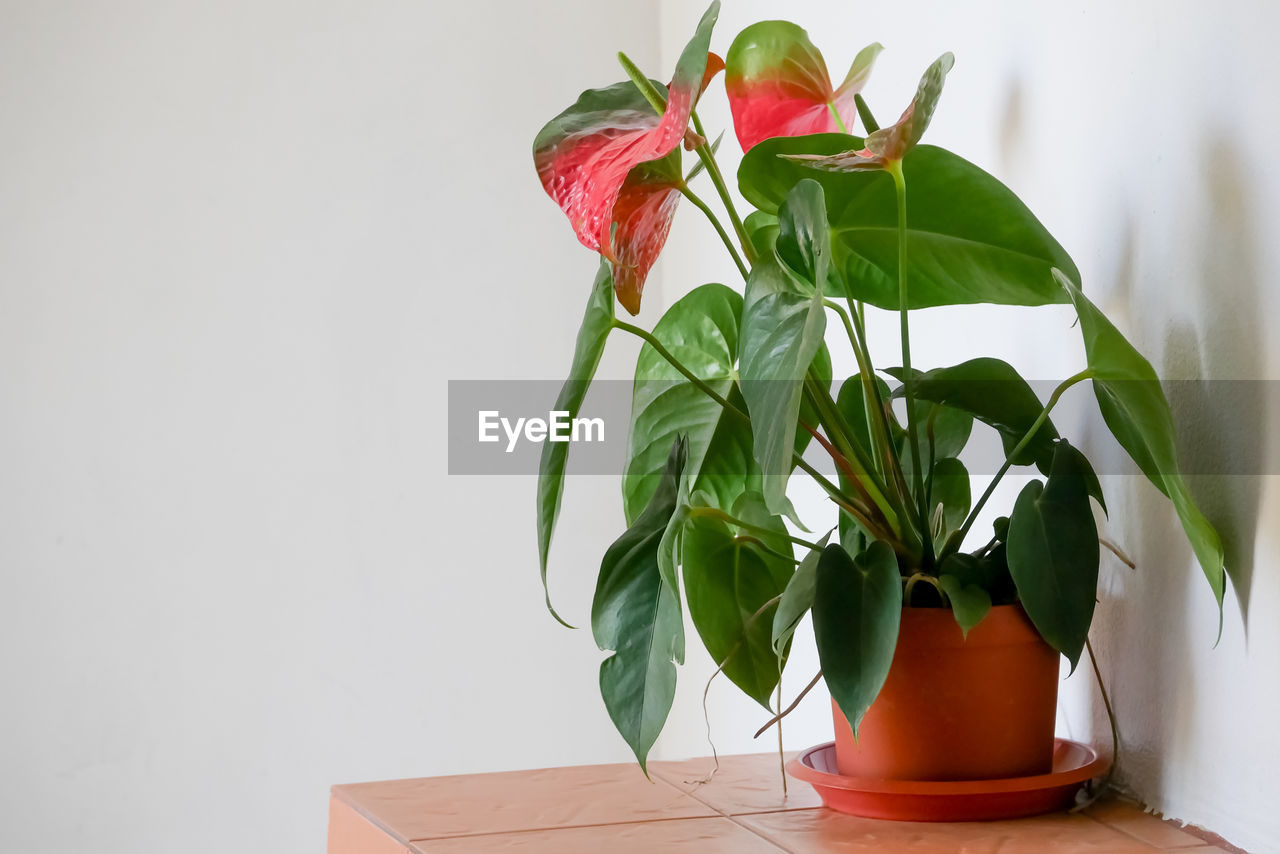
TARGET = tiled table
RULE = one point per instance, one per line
(741, 810)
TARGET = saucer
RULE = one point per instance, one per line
(950, 800)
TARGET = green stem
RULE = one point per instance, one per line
(913, 435)
(717, 513)
(662, 351)
(713, 170)
(831, 108)
(837, 430)
(958, 538)
(715, 221)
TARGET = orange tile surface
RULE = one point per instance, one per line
(350, 831)
(1141, 825)
(614, 809)
(434, 807)
(709, 835)
(741, 784)
(823, 831)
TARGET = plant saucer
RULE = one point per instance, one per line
(950, 800)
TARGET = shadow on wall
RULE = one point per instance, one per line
(1222, 423)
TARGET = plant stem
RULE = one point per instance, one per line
(713, 171)
(830, 417)
(789, 709)
(913, 436)
(717, 513)
(1111, 716)
(782, 756)
(1017, 449)
(715, 221)
(662, 351)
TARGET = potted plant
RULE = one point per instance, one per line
(917, 616)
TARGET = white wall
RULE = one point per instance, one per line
(1141, 133)
(243, 246)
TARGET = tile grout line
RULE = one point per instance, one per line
(725, 813)
(1135, 837)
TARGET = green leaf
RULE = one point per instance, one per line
(637, 615)
(797, 598)
(857, 609)
(851, 401)
(1053, 553)
(802, 242)
(728, 578)
(950, 489)
(701, 331)
(1134, 408)
(969, 602)
(782, 333)
(762, 232)
(596, 324)
(946, 431)
(990, 249)
(994, 393)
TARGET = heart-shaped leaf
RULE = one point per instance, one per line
(991, 249)
(596, 324)
(635, 614)
(857, 609)
(701, 331)
(1136, 411)
(729, 576)
(1053, 553)
(994, 393)
(778, 84)
(969, 602)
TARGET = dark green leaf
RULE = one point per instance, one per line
(851, 401)
(990, 249)
(592, 334)
(729, 576)
(969, 602)
(994, 393)
(803, 245)
(1053, 553)
(782, 333)
(701, 331)
(950, 489)
(637, 615)
(857, 609)
(1135, 409)
(797, 599)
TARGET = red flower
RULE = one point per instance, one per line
(778, 84)
(612, 164)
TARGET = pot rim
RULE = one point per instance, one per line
(932, 628)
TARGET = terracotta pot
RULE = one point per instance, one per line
(957, 709)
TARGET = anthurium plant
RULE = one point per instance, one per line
(734, 383)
